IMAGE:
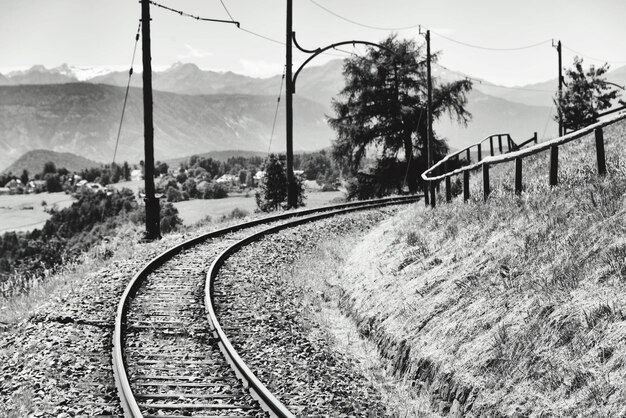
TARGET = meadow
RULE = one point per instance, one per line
(25, 212)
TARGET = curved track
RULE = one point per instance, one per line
(171, 357)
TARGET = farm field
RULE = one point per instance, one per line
(25, 212)
(193, 211)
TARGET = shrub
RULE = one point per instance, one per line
(273, 191)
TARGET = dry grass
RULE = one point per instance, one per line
(25, 294)
(319, 274)
(521, 298)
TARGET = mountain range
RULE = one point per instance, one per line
(69, 109)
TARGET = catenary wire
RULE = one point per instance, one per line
(130, 75)
(358, 23)
(479, 81)
(280, 92)
(545, 128)
(227, 12)
(592, 58)
(418, 26)
(181, 13)
(486, 48)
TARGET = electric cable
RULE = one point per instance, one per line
(545, 128)
(592, 58)
(180, 12)
(227, 12)
(418, 25)
(130, 74)
(486, 48)
(280, 92)
(479, 81)
(361, 24)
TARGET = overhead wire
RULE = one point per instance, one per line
(545, 128)
(227, 12)
(486, 48)
(354, 22)
(479, 81)
(181, 13)
(592, 58)
(399, 28)
(130, 74)
(280, 91)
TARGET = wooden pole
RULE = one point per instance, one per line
(518, 176)
(480, 153)
(491, 145)
(600, 151)
(448, 185)
(500, 143)
(292, 199)
(469, 158)
(486, 190)
(430, 116)
(554, 165)
(152, 203)
(466, 191)
(561, 127)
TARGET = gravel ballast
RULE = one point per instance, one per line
(282, 346)
(57, 362)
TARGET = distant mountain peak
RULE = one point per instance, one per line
(183, 66)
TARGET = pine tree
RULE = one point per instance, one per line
(384, 105)
(273, 189)
(585, 96)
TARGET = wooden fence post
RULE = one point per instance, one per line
(433, 198)
(500, 143)
(491, 145)
(469, 159)
(447, 180)
(480, 153)
(518, 176)
(535, 138)
(486, 190)
(466, 192)
(600, 151)
(554, 165)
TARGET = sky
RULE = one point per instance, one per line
(101, 33)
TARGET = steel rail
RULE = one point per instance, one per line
(426, 175)
(267, 400)
(125, 393)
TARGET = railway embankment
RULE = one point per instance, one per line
(514, 307)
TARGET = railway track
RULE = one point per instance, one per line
(171, 356)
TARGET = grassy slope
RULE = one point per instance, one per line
(515, 307)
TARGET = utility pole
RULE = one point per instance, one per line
(558, 50)
(152, 203)
(429, 142)
(292, 199)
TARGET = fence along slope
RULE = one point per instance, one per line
(518, 155)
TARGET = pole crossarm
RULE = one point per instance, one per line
(318, 51)
(205, 19)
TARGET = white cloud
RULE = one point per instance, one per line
(194, 53)
(260, 68)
